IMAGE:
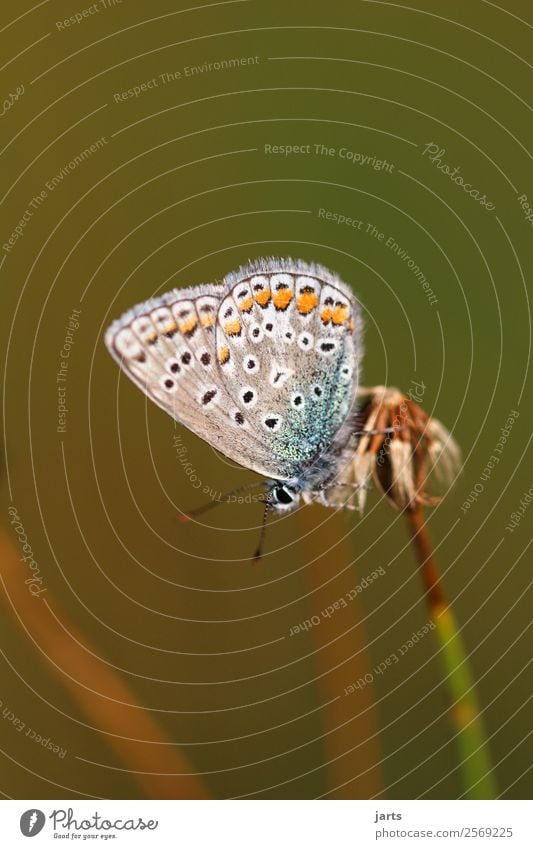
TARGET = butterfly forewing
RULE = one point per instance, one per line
(167, 347)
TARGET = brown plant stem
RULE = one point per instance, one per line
(428, 566)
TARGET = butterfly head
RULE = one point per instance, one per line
(282, 496)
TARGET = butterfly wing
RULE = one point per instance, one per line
(167, 347)
(264, 367)
(288, 340)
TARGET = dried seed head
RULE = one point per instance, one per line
(402, 460)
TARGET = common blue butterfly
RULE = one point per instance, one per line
(264, 367)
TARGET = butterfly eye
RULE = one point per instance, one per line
(283, 496)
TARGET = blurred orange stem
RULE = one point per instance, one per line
(340, 657)
(99, 692)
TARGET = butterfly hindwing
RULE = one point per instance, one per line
(288, 345)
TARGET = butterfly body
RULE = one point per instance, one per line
(263, 367)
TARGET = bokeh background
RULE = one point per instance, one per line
(155, 659)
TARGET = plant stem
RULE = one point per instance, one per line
(161, 769)
(475, 765)
(340, 656)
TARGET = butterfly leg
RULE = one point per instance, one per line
(258, 553)
(342, 502)
(381, 430)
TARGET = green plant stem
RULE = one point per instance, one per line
(476, 769)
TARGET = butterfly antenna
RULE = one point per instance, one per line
(258, 554)
(197, 511)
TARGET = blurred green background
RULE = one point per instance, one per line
(180, 192)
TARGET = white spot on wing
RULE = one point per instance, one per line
(127, 344)
(279, 375)
(248, 396)
(305, 341)
(272, 422)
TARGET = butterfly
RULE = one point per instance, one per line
(264, 367)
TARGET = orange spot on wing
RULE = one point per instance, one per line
(326, 314)
(350, 326)
(207, 320)
(223, 355)
(246, 304)
(233, 328)
(307, 302)
(282, 299)
(262, 297)
(340, 314)
(188, 326)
